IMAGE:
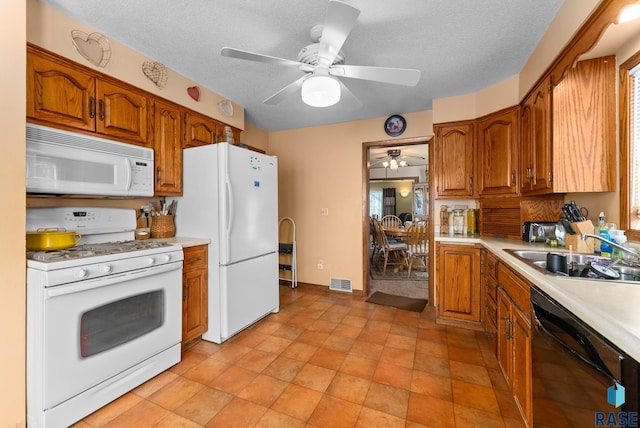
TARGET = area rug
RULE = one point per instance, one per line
(416, 275)
(400, 302)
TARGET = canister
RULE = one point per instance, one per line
(458, 221)
(444, 220)
(472, 221)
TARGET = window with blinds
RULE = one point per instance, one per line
(375, 203)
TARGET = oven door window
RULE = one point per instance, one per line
(119, 322)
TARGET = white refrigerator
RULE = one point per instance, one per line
(230, 196)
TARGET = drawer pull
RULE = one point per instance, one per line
(194, 259)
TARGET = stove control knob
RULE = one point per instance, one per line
(166, 258)
(151, 261)
(107, 268)
(83, 273)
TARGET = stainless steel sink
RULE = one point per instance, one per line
(541, 256)
(538, 259)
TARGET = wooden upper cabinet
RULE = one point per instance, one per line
(497, 153)
(59, 94)
(200, 130)
(122, 113)
(535, 140)
(567, 131)
(584, 128)
(64, 95)
(454, 156)
(167, 144)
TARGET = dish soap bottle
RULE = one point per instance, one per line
(605, 249)
(620, 238)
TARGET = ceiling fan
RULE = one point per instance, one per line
(323, 62)
(395, 159)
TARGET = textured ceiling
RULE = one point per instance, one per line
(460, 47)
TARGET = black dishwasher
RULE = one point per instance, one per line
(577, 374)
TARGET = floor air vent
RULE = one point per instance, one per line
(340, 285)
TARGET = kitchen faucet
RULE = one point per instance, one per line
(625, 250)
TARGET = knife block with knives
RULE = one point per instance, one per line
(575, 240)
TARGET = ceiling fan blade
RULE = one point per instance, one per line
(397, 76)
(252, 56)
(338, 22)
(285, 92)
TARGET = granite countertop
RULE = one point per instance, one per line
(611, 308)
(185, 241)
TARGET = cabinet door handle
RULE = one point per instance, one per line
(158, 175)
(507, 333)
(92, 107)
(184, 292)
(513, 178)
(101, 109)
(470, 184)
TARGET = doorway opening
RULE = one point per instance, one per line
(395, 181)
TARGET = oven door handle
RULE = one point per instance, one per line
(541, 316)
(103, 281)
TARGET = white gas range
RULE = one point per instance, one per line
(102, 317)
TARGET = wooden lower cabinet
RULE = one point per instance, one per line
(194, 293)
(514, 338)
(458, 285)
(489, 285)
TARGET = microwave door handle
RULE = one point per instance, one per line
(129, 175)
(594, 361)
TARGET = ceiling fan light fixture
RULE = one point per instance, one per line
(320, 91)
(629, 13)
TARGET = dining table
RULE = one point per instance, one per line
(396, 232)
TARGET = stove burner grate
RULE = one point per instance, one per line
(91, 250)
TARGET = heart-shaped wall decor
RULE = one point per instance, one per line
(155, 72)
(93, 47)
(225, 108)
(194, 92)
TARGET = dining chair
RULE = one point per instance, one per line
(374, 237)
(391, 222)
(397, 250)
(417, 244)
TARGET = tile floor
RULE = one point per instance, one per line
(328, 359)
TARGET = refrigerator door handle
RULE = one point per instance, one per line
(230, 215)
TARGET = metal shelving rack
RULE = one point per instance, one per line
(287, 251)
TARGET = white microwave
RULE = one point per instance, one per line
(67, 163)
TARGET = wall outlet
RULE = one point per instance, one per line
(324, 211)
(320, 265)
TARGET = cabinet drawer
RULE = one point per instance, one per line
(491, 311)
(195, 257)
(491, 267)
(491, 288)
(516, 288)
